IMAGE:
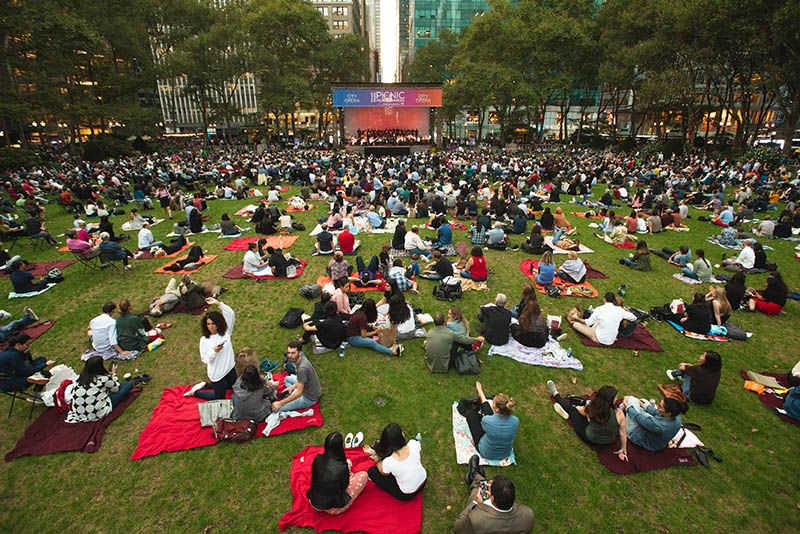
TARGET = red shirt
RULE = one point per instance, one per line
(346, 242)
(478, 269)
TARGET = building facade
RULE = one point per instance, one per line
(433, 16)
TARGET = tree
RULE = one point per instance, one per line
(431, 63)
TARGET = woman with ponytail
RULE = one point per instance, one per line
(494, 426)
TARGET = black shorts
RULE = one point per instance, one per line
(164, 201)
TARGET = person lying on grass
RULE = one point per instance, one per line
(597, 421)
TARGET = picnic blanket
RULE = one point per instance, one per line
(374, 512)
(582, 215)
(234, 236)
(180, 308)
(695, 335)
(13, 295)
(447, 250)
(551, 355)
(770, 398)
(205, 260)
(640, 460)
(126, 226)
(465, 448)
(738, 246)
(322, 281)
(455, 225)
(41, 268)
(625, 245)
(566, 289)
(34, 331)
(204, 231)
(175, 424)
(591, 272)
(548, 240)
(470, 285)
(641, 339)
(691, 281)
(145, 255)
(292, 209)
(275, 241)
(50, 433)
(237, 273)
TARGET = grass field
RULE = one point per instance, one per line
(230, 488)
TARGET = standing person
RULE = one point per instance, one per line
(494, 426)
(304, 387)
(96, 392)
(333, 487)
(164, 200)
(360, 330)
(475, 268)
(216, 352)
(602, 326)
(398, 466)
(598, 422)
(700, 381)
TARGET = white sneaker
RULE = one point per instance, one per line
(4, 315)
(560, 410)
(195, 388)
(670, 375)
(348, 441)
(359, 439)
(30, 312)
(562, 337)
(137, 255)
(128, 267)
(551, 388)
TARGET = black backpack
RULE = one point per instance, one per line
(311, 291)
(448, 289)
(293, 318)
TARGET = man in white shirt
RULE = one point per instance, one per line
(146, 239)
(414, 243)
(744, 261)
(603, 325)
(252, 264)
(103, 331)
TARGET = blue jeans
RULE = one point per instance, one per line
(430, 276)
(369, 343)
(468, 276)
(687, 383)
(12, 327)
(300, 403)
(426, 253)
(153, 244)
(689, 273)
(628, 262)
(558, 233)
(121, 394)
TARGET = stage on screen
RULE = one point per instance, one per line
(387, 118)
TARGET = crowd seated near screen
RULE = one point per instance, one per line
(390, 136)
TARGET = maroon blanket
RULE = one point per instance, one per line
(41, 268)
(237, 273)
(50, 433)
(641, 339)
(591, 272)
(769, 399)
(639, 459)
(180, 308)
(34, 331)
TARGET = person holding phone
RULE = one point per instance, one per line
(96, 392)
(216, 352)
(491, 506)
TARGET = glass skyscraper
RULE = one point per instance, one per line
(433, 16)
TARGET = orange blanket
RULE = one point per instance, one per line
(205, 260)
(292, 209)
(566, 289)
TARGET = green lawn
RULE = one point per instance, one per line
(245, 487)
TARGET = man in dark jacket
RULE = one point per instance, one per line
(496, 321)
(17, 365)
(399, 238)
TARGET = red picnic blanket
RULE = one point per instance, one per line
(33, 331)
(769, 399)
(566, 289)
(455, 225)
(237, 273)
(323, 280)
(275, 241)
(639, 459)
(43, 267)
(626, 244)
(50, 433)
(175, 424)
(374, 511)
(641, 339)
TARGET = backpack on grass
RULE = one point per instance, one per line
(448, 289)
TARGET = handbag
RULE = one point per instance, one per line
(234, 431)
(466, 363)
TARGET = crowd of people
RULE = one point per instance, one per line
(502, 195)
(389, 136)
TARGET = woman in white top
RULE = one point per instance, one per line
(398, 466)
(253, 264)
(216, 351)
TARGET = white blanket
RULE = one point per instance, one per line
(465, 448)
(13, 295)
(548, 239)
(551, 355)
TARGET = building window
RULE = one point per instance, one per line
(341, 24)
(341, 11)
(323, 10)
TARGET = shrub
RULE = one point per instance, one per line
(768, 156)
(17, 158)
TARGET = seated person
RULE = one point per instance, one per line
(681, 258)
(496, 321)
(277, 262)
(696, 317)
(477, 235)
(652, 427)
(535, 243)
(228, 227)
(491, 506)
(598, 422)
(398, 466)
(493, 426)
(700, 381)
(23, 281)
(329, 329)
(399, 236)
(36, 229)
(338, 267)
(79, 246)
(103, 334)
(573, 270)
(27, 319)
(532, 329)
(111, 250)
(361, 330)
(602, 326)
(304, 387)
(252, 396)
(146, 239)
(760, 261)
(639, 260)
(17, 364)
(496, 237)
(745, 261)
(253, 264)
(348, 244)
(325, 245)
(444, 234)
(439, 268)
(266, 226)
(414, 244)
(134, 333)
(439, 342)
(96, 392)
(771, 299)
(398, 273)
(333, 487)
(475, 269)
(700, 269)
(546, 271)
(285, 222)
